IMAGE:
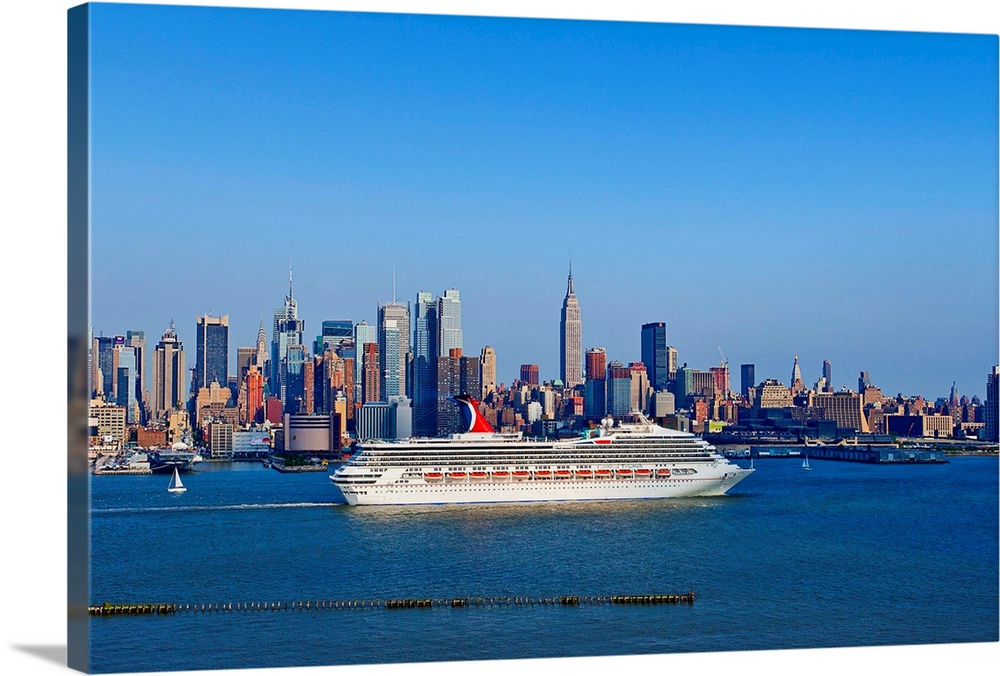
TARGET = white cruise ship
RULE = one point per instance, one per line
(615, 462)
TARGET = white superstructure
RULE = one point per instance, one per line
(620, 461)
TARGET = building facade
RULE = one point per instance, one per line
(487, 371)
(288, 332)
(169, 375)
(654, 354)
(991, 417)
(619, 389)
(529, 374)
(747, 381)
(426, 337)
(845, 408)
(364, 333)
(570, 338)
(394, 348)
(212, 351)
(102, 366)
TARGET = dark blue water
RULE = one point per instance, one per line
(844, 555)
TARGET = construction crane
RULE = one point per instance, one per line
(725, 362)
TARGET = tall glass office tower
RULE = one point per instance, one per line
(654, 354)
(425, 356)
(211, 352)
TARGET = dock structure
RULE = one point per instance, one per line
(113, 609)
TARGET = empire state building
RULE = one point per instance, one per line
(571, 339)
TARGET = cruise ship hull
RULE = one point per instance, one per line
(624, 461)
(552, 490)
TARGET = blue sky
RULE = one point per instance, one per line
(773, 191)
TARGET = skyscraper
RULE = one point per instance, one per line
(117, 344)
(654, 354)
(529, 374)
(570, 338)
(211, 352)
(747, 380)
(426, 337)
(671, 362)
(449, 318)
(828, 375)
(595, 396)
(254, 384)
(293, 374)
(126, 376)
(288, 330)
(336, 335)
(487, 371)
(260, 356)
(103, 366)
(137, 340)
(797, 384)
(393, 347)
(992, 412)
(456, 374)
(364, 333)
(168, 374)
(720, 378)
(244, 357)
(370, 374)
(619, 388)
(639, 386)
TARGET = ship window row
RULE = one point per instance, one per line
(463, 453)
(520, 459)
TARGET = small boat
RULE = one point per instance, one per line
(663, 472)
(624, 472)
(175, 483)
(478, 476)
(521, 475)
(433, 476)
(500, 474)
(805, 464)
(543, 473)
(562, 473)
(456, 476)
(643, 472)
(585, 473)
(602, 473)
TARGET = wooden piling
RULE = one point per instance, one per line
(109, 609)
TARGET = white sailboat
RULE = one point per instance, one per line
(805, 463)
(175, 483)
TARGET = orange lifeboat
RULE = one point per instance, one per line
(501, 474)
(644, 473)
(433, 476)
(562, 473)
(543, 473)
(602, 473)
(584, 473)
(663, 473)
(625, 471)
(477, 476)
(456, 476)
(520, 475)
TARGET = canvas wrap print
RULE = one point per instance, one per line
(413, 338)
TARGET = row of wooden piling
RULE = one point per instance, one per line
(108, 609)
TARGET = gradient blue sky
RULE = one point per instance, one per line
(771, 191)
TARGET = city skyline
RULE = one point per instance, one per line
(813, 221)
(509, 371)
